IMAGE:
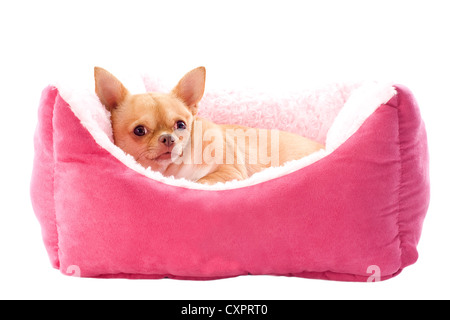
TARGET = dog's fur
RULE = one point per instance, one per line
(162, 131)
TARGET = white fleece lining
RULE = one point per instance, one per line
(362, 102)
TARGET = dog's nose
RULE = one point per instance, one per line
(167, 139)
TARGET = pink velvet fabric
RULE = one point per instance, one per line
(362, 205)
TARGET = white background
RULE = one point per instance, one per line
(258, 44)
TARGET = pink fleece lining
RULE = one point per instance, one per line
(362, 205)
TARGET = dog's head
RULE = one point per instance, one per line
(153, 127)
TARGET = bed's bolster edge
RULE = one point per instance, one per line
(414, 188)
(41, 188)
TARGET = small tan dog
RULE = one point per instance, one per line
(162, 131)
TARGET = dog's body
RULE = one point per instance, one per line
(163, 131)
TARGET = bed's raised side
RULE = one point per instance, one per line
(42, 188)
(414, 189)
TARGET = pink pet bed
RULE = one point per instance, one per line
(351, 212)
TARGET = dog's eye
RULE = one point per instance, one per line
(140, 131)
(180, 125)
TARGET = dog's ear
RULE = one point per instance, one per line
(190, 89)
(109, 90)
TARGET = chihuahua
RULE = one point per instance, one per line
(162, 131)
